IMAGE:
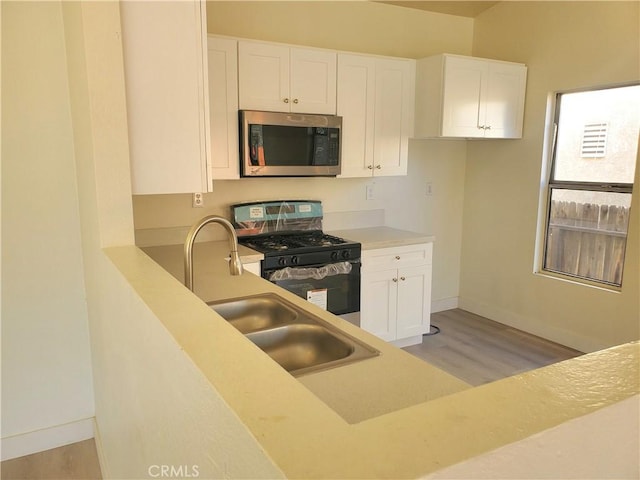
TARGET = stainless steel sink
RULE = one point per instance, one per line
(255, 313)
(296, 339)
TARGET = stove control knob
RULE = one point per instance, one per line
(346, 254)
(334, 255)
(282, 261)
(294, 260)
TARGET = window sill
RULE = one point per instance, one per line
(578, 281)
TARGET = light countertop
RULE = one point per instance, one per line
(383, 237)
(393, 416)
(358, 391)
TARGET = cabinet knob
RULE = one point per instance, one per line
(295, 100)
(395, 279)
(397, 257)
(378, 167)
(370, 167)
(402, 278)
(286, 100)
(480, 127)
(488, 127)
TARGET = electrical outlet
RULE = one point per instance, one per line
(198, 200)
(370, 192)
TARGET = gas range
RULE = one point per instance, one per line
(298, 255)
(289, 233)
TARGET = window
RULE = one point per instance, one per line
(590, 183)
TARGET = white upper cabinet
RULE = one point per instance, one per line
(469, 97)
(376, 102)
(164, 47)
(279, 78)
(223, 107)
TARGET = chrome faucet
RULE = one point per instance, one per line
(235, 265)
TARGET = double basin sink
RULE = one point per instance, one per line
(296, 339)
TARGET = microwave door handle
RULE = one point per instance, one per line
(256, 147)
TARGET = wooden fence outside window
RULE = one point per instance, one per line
(587, 240)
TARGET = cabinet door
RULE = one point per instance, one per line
(378, 303)
(223, 108)
(356, 101)
(464, 80)
(263, 77)
(504, 100)
(313, 81)
(164, 45)
(393, 125)
(414, 301)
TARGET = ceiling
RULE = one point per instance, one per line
(452, 7)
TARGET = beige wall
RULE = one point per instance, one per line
(365, 27)
(65, 195)
(368, 28)
(46, 369)
(567, 45)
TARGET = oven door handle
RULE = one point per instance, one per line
(317, 273)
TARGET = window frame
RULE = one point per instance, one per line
(548, 185)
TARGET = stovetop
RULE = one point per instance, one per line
(274, 244)
(289, 232)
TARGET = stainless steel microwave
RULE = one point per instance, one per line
(278, 144)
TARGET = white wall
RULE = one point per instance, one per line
(567, 45)
(46, 369)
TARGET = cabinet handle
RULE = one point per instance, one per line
(395, 279)
(397, 257)
(370, 167)
(378, 167)
(402, 278)
(295, 100)
(286, 100)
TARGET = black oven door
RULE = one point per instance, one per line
(334, 287)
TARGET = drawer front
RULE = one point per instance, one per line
(396, 257)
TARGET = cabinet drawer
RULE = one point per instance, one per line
(395, 257)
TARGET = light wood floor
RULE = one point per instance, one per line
(78, 461)
(478, 350)
(470, 347)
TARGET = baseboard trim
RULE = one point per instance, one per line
(101, 458)
(444, 304)
(40, 440)
(515, 320)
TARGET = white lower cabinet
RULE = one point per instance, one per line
(253, 267)
(396, 293)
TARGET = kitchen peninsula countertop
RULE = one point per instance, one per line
(358, 391)
(308, 435)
